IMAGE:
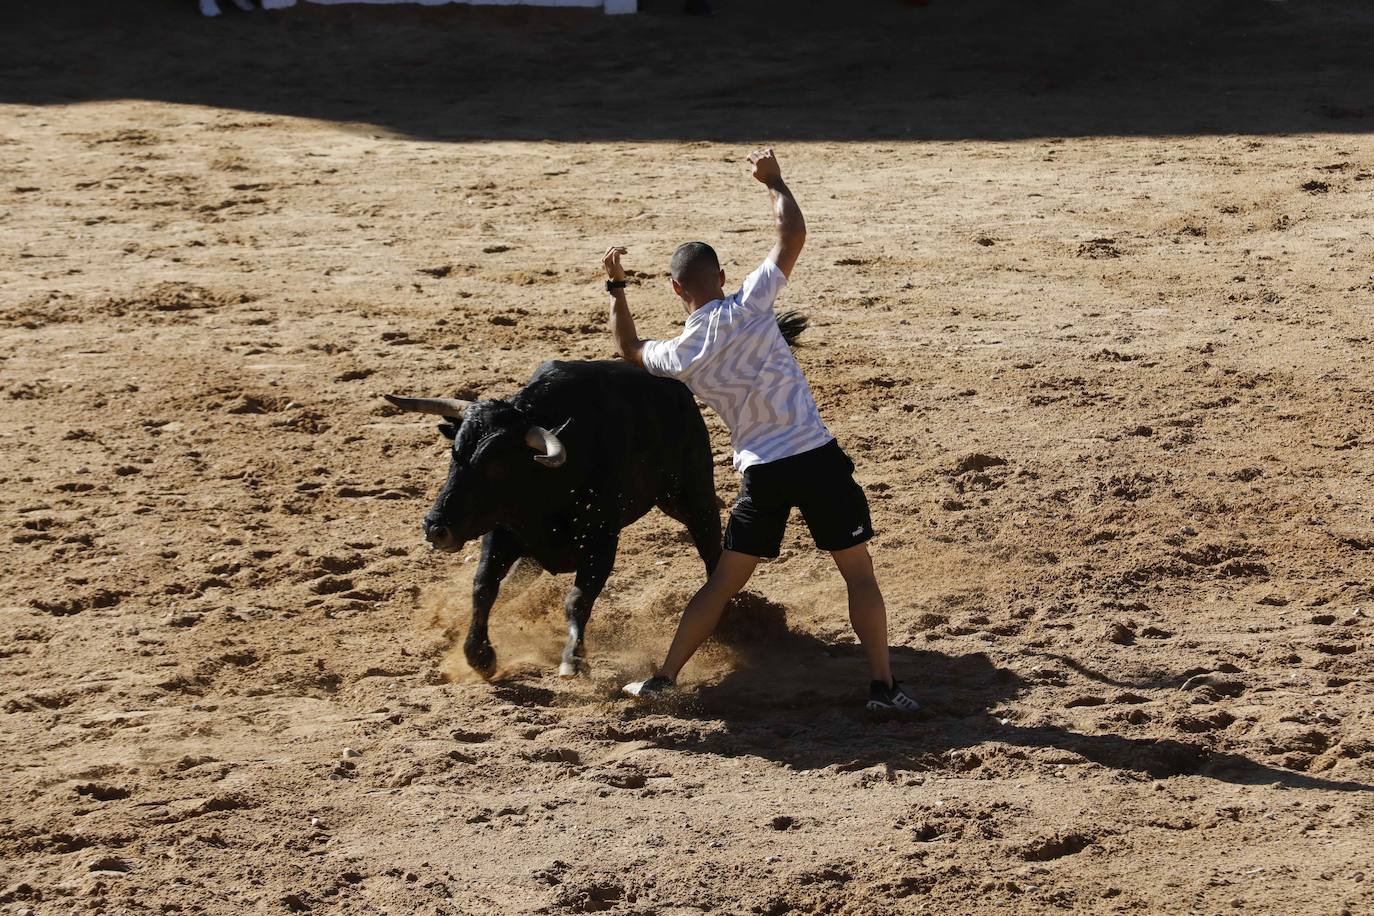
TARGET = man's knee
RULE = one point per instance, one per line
(865, 586)
(733, 570)
(856, 566)
(725, 587)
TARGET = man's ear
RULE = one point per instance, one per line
(448, 429)
(677, 287)
(722, 278)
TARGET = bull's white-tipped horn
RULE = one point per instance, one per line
(444, 407)
(542, 440)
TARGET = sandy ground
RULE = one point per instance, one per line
(1099, 345)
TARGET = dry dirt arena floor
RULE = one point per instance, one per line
(1091, 303)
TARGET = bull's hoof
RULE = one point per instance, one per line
(481, 657)
(574, 668)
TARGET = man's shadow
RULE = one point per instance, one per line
(791, 697)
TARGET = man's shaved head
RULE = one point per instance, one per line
(695, 264)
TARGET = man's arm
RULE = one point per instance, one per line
(627, 342)
(791, 224)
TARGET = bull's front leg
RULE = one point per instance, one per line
(500, 550)
(593, 570)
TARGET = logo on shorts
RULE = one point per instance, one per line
(857, 531)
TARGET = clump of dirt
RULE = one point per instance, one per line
(1097, 249)
(172, 296)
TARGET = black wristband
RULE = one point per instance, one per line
(613, 285)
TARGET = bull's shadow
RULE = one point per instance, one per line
(795, 699)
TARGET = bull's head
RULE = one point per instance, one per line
(497, 451)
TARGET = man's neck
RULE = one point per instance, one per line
(695, 303)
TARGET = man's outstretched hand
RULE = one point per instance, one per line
(791, 225)
(612, 262)
(766, 168)
(627, 342)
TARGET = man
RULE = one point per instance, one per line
(733, 357)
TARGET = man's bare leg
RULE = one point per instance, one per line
(867, 612)
(703, 612)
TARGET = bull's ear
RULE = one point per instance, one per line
(448, 429)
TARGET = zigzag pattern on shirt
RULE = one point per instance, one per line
(733, 357)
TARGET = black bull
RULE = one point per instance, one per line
(557, 470)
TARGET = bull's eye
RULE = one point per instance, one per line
(496, 470)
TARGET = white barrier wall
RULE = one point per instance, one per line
(610, 6)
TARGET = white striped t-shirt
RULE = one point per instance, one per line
(732, 355)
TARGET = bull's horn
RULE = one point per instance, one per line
(444, 407)
(542, 440)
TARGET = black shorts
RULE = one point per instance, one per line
(820, 483)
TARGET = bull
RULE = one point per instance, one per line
(556, 471)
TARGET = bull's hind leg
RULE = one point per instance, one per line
(698, 512)
(500, 550)
(592, 573)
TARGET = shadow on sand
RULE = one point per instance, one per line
(758, 70)
(790, 697)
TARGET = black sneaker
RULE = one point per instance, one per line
(882, 698)
(654, 687)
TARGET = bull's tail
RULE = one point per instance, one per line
(791, 324)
